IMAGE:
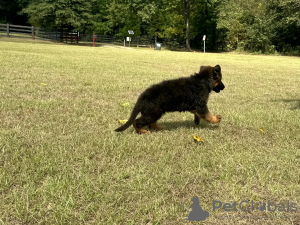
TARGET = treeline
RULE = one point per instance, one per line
(265, 26)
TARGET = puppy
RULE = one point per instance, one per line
(183, 94)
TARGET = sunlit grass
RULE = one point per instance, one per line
(61, 161)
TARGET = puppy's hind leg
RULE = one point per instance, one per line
(146, 119)
(156, 127)
(139, 129)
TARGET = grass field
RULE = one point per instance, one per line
(62, 163)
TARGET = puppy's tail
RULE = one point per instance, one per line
(131, 119)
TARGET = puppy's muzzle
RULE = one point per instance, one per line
(219, 87)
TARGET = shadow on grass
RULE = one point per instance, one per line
(296, 101)
(187, 124)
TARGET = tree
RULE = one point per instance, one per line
(143, 17)
(101, 22)
(191, 19)
(204, 17)
(187, 13)
(122, 17)
(182, 13)
(249, 27)
(285, 16)
(10, 11)
(60, 14)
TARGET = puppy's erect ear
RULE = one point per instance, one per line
(217, 71)
(218, 68)
(202, 68)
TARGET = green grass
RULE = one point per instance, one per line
(62, 163)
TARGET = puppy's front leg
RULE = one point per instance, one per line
(212, 119)
(203, 112)
(196, 117)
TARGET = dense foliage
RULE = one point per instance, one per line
(265, 26)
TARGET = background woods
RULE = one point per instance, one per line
(264, 26)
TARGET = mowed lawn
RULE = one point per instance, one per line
(62, 163)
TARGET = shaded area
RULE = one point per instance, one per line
(173, 125)
(296, 103)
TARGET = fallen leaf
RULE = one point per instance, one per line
(126, 104)
(123, 121)
(197, 139)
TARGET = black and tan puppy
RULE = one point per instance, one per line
(183, 94)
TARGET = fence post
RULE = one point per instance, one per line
(7, 29)
(32, 32)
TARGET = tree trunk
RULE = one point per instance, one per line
(187, 7)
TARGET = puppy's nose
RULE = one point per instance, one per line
(222, 86)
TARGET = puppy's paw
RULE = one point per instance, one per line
(142, 131)
(196, 120)
(196, 117)
(215, 119)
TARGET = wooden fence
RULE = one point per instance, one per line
(37, 33)
(86, 39)
(135, 41)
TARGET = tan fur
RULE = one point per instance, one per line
(156, 127)
(208, 117)
(140, 130)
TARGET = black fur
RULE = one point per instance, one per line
(183, 94)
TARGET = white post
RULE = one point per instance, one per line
(204, 38)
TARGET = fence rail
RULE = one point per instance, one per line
(136, 41)
(76, 38)
(37, 33)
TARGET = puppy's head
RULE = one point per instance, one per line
(216, 76)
